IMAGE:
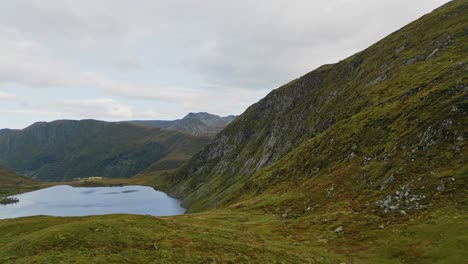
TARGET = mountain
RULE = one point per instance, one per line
(153, 123)
(389, 119)
(193, 123)
(362, 161)
(67, 149)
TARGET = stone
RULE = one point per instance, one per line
(387, 182)
(410, 61)
(339, 229)
(441, 188)
(400, 49)
(432, 54)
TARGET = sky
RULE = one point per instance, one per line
(152, 59)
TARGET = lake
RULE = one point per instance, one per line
(66, 200)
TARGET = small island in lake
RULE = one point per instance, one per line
(8, 200)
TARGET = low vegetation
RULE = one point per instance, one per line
(237, 236)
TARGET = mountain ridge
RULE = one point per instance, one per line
(67, 149)
(201, 123)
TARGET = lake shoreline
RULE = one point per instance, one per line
(67, 200)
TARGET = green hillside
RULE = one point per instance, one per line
(12, 183)
(67, 149)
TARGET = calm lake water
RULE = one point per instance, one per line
(65, 200)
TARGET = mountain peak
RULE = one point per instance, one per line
(198, 123)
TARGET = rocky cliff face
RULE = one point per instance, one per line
(383, 112)
(65, 149)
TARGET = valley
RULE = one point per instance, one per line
(66, 149)
(362, 161)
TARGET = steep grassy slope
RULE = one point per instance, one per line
(65, 149)
(12, 183)
(371, 124)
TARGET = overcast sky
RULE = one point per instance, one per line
(149, 59)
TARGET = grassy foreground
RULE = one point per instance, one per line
(233, 236)
(247, 232)
(252, 231)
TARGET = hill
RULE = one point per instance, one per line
(193, 123)
(391, 118)
(13, 183)
(67, 149)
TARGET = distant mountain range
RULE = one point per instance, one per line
(67, 149)
(194, 123)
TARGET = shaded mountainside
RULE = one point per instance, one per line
(194, 123)
(8, 177)
(11, 182)
(66, 149)
(390, 118)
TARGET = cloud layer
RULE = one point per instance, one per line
(133, 59)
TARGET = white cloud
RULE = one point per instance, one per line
(106, 108)
(28, 64)
(7, 96)
(255, 44)
(12, 98)
(102, 108)
(34, 113)
(127, 63)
